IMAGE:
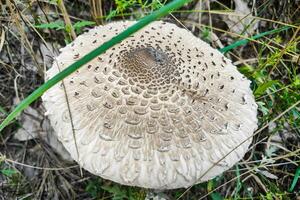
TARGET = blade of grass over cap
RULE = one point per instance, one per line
(93, 54)
(245, 41)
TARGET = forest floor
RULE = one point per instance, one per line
(33, 164)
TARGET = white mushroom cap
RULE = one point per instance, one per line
(156, 111)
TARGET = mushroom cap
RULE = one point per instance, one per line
(158, 110)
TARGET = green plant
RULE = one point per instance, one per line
(60, 25)
(123, 192)
(8, 172)
(93, 187)
(123, 5)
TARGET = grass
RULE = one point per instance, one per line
(270, 170)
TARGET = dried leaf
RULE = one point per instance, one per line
(241, 21)
(267, 174)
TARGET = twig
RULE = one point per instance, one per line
(34, 167)
(69, 27)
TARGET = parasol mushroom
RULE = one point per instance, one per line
(158, 110)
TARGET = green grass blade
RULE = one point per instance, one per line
(295, 180)
(245, 41)
(85, 59)
(238, 182)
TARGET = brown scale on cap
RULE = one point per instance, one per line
(156, 111)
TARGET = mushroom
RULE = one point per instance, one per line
(162, 109)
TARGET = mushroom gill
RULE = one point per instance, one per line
(159, 110)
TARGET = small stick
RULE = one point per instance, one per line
(66, 17)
